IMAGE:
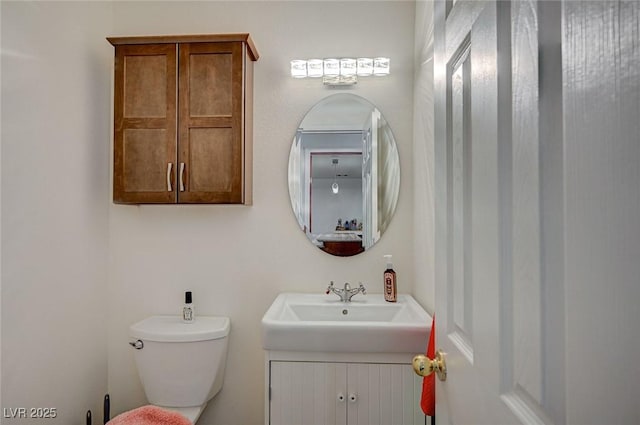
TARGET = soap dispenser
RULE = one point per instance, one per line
(188, 315)
(390, 285)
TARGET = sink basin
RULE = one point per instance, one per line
(356, 312)
(367, 324)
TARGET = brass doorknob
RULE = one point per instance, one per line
(424, 366)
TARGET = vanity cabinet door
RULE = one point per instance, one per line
(382, 394)
(316, 393)
(308, 393)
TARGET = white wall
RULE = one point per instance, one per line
(55, 189)
(237, 259)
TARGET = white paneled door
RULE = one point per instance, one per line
(522, 298)
(488, 309)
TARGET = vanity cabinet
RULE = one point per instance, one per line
(183, 119)
(343, 393)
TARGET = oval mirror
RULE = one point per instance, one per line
(344, 174)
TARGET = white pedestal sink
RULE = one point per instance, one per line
(366, 324)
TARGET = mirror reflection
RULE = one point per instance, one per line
(344, 174)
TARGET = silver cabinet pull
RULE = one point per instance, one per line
(182, 177)
(169, 167)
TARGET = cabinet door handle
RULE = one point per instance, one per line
(340, 397)
(353, 397)
(182, 177)
(169, 167)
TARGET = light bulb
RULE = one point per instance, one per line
(331, 67)
(314, 68)
(381, 66)
(347, 67)
(365, 66)
(298, 68)
(335, 188)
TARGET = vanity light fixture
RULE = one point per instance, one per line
(340, 71)
(334, 186)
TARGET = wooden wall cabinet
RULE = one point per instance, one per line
(183, 119)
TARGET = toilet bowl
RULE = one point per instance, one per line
(181, 365)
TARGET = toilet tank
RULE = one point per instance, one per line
(181, 364)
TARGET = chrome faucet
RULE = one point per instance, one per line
(347, 292)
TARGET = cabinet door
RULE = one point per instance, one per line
(308, 393)
(145, 124)
(383, 394)
(211, 123)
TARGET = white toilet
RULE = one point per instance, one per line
(181, 365)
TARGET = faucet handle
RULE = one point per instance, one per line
(329, 288)
(362, 289)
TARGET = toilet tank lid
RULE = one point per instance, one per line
(172, 329)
